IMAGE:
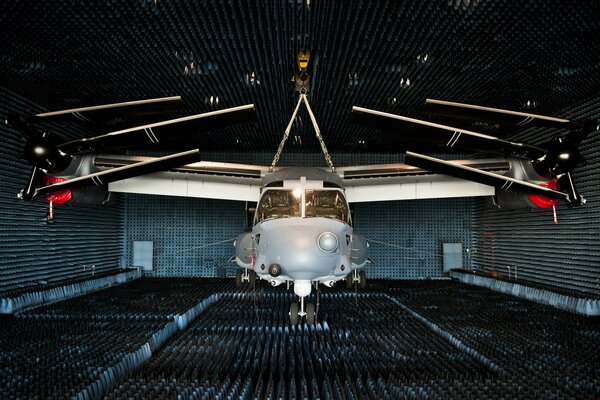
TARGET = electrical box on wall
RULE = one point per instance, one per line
(143, 254)
(453, 256)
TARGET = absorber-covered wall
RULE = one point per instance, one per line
(565, 255)
(35, 251)
(193, 237)
(406, 237)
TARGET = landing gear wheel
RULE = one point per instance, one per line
(349, 281)
(362, 283)
(238, 278)
(252, 279)
(310, 313)
(294, 313)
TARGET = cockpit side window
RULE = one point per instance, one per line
(327, 204)
(278, 203)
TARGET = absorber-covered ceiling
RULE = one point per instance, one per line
(529, 55)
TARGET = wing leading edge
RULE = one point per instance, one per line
(242, 182)
(387, 182)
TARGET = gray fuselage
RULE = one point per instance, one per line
(302, 233)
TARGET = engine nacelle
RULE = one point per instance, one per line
(517, 201)
(359, 249)
(244, 250)
(85, 195)
(512, 200)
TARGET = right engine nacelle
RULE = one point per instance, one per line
(244, 250)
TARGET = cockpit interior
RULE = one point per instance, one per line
(310, 203)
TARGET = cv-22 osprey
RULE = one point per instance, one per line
(302, 232)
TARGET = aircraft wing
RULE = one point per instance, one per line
(404, 182)
(242, 182)
(212, 180)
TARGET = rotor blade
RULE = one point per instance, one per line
(496, 115)
(108, 111)
(576, 136)
(441, 134)
(565, 182)
(125, 172)
(34, 178)
(484, 177)
(160, 131)
(16, 121)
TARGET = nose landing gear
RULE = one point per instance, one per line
(356, 277)
(297, 314)
(245, 278)
(302, 288)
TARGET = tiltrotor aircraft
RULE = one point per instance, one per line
(302, 232)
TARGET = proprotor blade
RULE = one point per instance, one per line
(16, 121)
(416, 129)
(34, 179)
(484, 177)
(125, 172)
(576, 136)
(158, 132)
(496, 115)
(565, 182)
(108, 111)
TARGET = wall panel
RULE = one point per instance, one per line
(566, 255)
(34, 250)
(192, 237)
(406, 237)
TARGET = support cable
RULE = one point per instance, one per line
(318, 134)
(286, 134)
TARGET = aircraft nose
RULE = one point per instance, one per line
(303, 252)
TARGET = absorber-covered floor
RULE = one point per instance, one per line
(430, 339)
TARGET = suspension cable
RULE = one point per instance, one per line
(318, 133)
(286, 134)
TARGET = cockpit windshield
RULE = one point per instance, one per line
(279, 203)
(327, 204)
(286, 203)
